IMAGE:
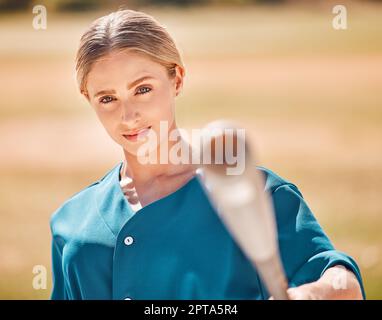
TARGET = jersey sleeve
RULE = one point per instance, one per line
(58, 289)
(305, 249)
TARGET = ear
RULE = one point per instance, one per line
(179, 79)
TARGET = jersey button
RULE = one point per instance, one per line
(128, 240)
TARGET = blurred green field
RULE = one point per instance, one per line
(310, 95)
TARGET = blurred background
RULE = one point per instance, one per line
(310, 95)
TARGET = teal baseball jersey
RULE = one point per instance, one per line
(177, 247)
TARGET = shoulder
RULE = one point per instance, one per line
(288, 201)
(274, 181)
(71, 207)
(81, 203)
(291, 209)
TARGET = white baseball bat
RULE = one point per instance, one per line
(244, 206)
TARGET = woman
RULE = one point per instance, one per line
(174, 246)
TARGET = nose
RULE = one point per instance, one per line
(130, 114)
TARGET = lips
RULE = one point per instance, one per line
(133, 136)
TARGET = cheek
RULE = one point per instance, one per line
(110, 121)
(161, 107)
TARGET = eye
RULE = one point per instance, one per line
(106, 99)
(143, 90)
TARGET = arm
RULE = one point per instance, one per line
(314, 268)
(337, 283)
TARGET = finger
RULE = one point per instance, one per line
(295, 294)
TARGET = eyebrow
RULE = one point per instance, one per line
(135, 82)
(132, 84)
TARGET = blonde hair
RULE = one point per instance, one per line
(126, 29)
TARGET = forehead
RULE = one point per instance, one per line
(123, 66)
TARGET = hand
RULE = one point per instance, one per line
(337, 283)
(309, 291)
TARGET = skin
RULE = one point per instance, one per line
(123, 110)
(325, 288)
(128, 109)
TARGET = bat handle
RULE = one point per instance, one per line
(272, 274)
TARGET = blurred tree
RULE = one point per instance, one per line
(142, 3)
(13, 5)
(178, 2)
(78, 5)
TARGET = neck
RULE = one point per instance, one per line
(144, 174)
